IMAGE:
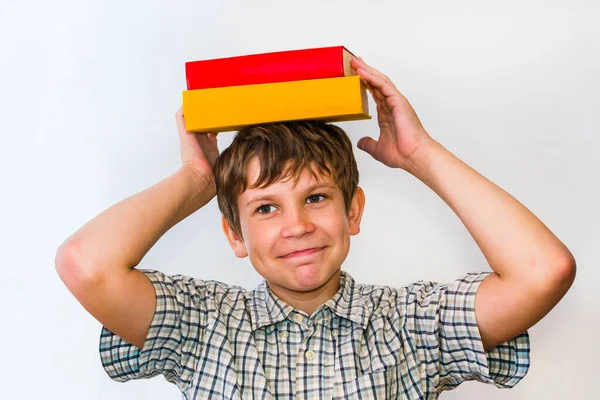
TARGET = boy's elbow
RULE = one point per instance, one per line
(563, 274)
(68, 266)
(568, 270)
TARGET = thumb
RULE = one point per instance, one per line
(367, 144)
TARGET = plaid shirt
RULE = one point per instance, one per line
(219, 341)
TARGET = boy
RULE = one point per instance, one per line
(290, 201)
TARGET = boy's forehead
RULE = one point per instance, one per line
(305, 178)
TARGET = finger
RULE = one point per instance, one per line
(377, 82)
(367, 144)
(377, 95)
(383, 103)
(362, 64)
(392, 96)
(180, 119)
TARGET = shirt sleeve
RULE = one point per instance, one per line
(441, 321)
(174, 338)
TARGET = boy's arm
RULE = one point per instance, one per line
(532, 268)
(97, 262)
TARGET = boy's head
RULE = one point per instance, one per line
(282, 163)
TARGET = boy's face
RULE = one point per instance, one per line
(281, 219)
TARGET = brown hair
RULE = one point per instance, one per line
(283, 150)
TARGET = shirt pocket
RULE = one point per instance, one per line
(382, 384)
(385, 384)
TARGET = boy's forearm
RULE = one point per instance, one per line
(516, 244)
(120, 236)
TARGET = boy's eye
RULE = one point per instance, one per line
(314, 198)
(263, 207)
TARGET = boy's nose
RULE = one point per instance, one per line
(297, 223)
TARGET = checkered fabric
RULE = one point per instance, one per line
(219, 341)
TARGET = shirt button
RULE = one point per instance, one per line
(309, 355)
(284, 334)
(334, 332)
(298, 318)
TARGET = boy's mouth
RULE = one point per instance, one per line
(303, 252)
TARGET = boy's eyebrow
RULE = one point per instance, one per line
(308, 189)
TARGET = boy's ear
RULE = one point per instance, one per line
(357, 207)
(235, 241)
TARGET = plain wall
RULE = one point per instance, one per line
(89, 90)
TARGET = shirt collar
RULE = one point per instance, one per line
(266, 308)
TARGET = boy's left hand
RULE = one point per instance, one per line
(401, 133)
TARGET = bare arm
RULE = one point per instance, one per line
(119, 237)
(97, 263)
(533, 269)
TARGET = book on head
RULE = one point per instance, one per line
(281, 66)
(227, 94)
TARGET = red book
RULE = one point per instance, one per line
(281, 66)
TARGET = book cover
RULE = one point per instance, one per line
(281, 66)
(231, 108)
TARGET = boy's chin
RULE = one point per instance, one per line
(312, 277)
(304, 278)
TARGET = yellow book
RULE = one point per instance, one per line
(231, 108)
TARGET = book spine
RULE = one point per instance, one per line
(230, 108)
(283, 66)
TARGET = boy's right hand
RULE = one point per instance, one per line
(199, 151)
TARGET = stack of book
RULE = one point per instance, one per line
(226, 94)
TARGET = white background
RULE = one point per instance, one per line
(88, 93)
